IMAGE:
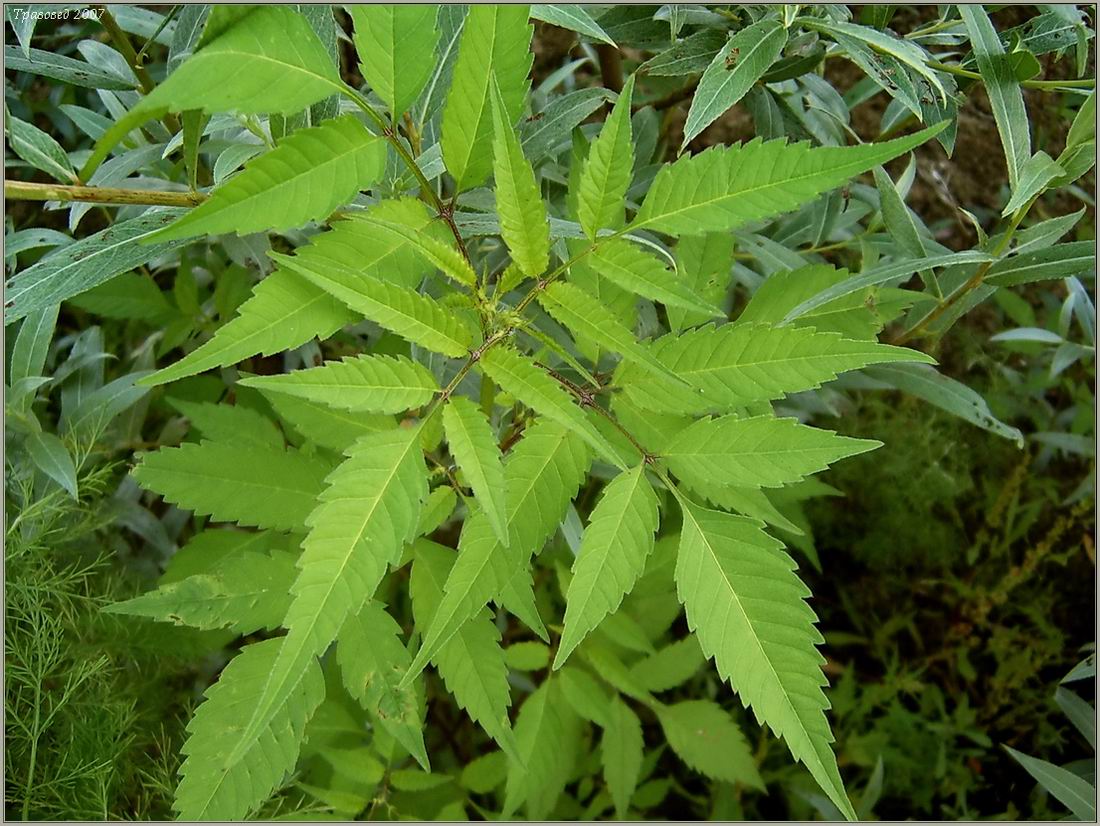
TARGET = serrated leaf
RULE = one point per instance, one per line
(50, 455)
(722, 188)
(396, 46)
(641, 273)
(744, 60)
(229, 422)
(270, 61)
(591, 321)
(669, 667)
(495, 46)
(519, 376)
(748, 608)
(757, 452)
(734, 365)
(708, 741)
(443, 256)
(242, 483)
(612, 556)
(547, 732)
(471, 441)
(523, 223)
(705, 263)
(83, 264)
(324, 425)
(284, 311)
(372, 660)
(211, 789)
(471, 662)
(412, 315)
(621, 750)
(246, 591)
(605, 177)
(373, 384)
(541, 475)
(304, 178)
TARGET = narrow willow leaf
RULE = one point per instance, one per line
(270, 61)
(471, 662)
(699, 731)
(639, 272)
(396, 46)
(722, 188)
(612, 556)
(1035, 175)
(65, 69)
(547, 731)
(748, 608)
(246, 592)
(605, 177)
(39, 150)
(689, 56)
(1006, 98)
(519, 376)
(523, 223)
(757, 452)
(495, 45)
(550, 132)
(541, 475)
(899, 222)
(83, 264)
(373, 384)
(372, 659)
(734, 365)
(572, 16)
(471, 441)
(621, 750)
(744, 60)
(284, 312)
(415, 317)
(364, 517)
(241, 483)
(947, 394)
(51, 457)
(1073, 792)
(304, 178)
(1076, 258)
(591, 321)
(435, 252)
(32, 344)
(211, 789)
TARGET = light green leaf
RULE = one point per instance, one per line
(612, 556)
(547, 732)
(372, 659)
(707, 740)
(284, 312)
(734, 70)
(396, 46)
(51, 456)
(605, 177)
(303, 179)
(495, 46)
(1005, 95)
(527, 656)
(621, 751)
(523, 223)
(644, 274)
(1073, 792)
(572, 16)
(83, 264)
(443, 256)
(269, 61)
(757, 452)
(748, 608)
(722, 188)
(471, 441)
(211, 789)
(229, 422)
(412, 315)
(705, 264)
(671, 666)
(471, 662)
(1036, 173)
(374, 384)
(541, 475)
(517, 375)
(734, 365)
(39, 150)
(242, 483)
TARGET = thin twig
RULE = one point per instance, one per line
(27, 191)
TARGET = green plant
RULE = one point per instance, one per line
(560, 350)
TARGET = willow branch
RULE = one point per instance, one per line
(26, 191)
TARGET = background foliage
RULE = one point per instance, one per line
(952, 570)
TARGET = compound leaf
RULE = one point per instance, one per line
(471, 441)
(605, 177)
(638, 271)
(621, 751)
(396, 46)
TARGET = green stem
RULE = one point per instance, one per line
(126, 48)
(26, 191)
(1086, 83)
